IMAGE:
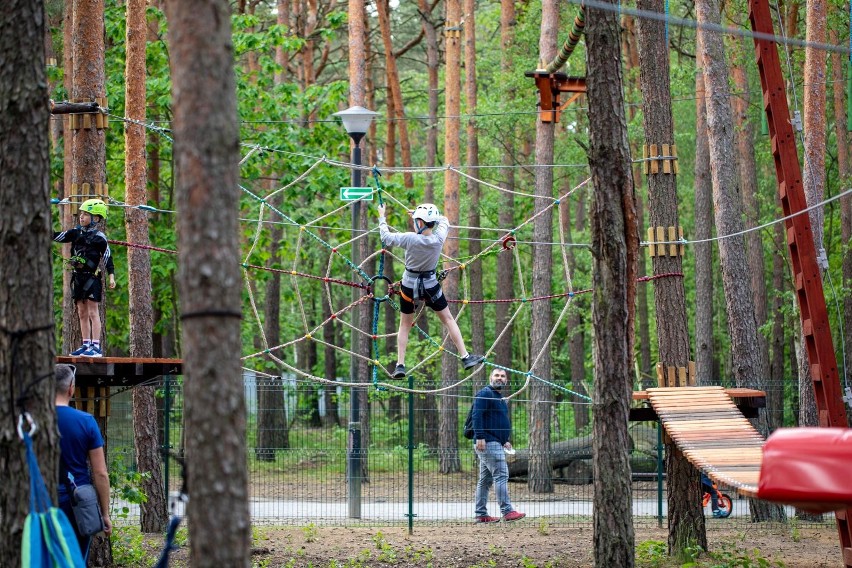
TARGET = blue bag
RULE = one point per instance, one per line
(48, 541)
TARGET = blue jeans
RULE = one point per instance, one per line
(492, 470)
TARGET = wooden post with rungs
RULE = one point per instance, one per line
(94, 400)
(676, 376)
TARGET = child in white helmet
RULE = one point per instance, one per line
(88, 248)
(422, 253)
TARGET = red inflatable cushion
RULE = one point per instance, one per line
(810, 468)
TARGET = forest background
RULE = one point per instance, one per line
(307, 73)
(291, 121)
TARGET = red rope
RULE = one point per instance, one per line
(136, 245)
(311, 276)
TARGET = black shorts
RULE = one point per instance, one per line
(86, 286)
(407, 307)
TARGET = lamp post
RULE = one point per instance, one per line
(356, 121)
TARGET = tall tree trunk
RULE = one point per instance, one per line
(449, 459)
(614, 244)
(26, 303)
(425, 8)
(845, 169)
(360, 315)
(506, 217)
(703, 230)
(631, 51)
(575, 325)
(540, 478)
(383, 10)
(474, 270)
(751, 205)
(88, 161)
(742, 325)
(154, 514)
(206, 164)
(814, 183)
(777, 376)
(66, 214)
(685, 514)
(272, 420)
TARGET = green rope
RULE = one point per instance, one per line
(569, 45)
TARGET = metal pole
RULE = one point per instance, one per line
(167, 410)
(410, 454)
(354, 457)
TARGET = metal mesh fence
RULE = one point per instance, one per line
(297, 458)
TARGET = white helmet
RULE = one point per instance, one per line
(426, 212)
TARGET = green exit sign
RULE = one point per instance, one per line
(356, 193)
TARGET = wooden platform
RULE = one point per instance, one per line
(747, 401)
(120, 371)
(713, 434)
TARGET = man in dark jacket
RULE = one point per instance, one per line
(492, 428)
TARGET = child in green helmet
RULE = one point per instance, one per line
(89, 247)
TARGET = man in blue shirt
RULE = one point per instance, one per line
(81, 445)
(492, 427)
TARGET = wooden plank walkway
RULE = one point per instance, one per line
(713, 434)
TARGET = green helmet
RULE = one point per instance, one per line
(95, 207)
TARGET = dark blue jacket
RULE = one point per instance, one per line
(491, 417)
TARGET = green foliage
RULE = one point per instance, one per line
(651, 553)
(730, 556)
(128, 548)
(125, 489)
(311, 532)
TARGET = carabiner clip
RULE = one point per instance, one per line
(28, 417)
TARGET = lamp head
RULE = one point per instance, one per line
(356, 121)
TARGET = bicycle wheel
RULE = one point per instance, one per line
(725, 505)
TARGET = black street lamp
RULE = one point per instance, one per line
(356, 121)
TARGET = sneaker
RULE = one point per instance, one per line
(718, 514)
(92, 351)
(487, 519)
(399, 372)
(80, 350)
(514, 516)
(472, 360)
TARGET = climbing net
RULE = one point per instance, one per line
(338, 253)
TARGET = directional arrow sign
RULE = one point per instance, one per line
(355, 193)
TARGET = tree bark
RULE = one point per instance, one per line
(206, 164)
(506, 217)
(474, 269)
(432, 65)
(742, 325)
(703, 230)
(614, 244)
(845, 170)
(540, 479)
(631, 50)
(383, 11)
(449, 459)
(88, 172)
(751, 204)
(575, 325)
(685, 514)
(26, 303)
(154, 514)
(814, 182)
(775, 395)
(272, 420)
